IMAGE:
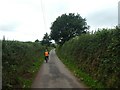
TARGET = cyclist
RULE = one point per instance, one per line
(46, 55)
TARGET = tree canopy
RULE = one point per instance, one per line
(67, 26)
(36, 40)
(46, 40)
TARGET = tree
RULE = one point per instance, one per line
(46, 40)
(36, 40)
(66, 27)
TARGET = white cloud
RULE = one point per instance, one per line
(27, 14)
(28, 20)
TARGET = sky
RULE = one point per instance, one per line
(28, 20)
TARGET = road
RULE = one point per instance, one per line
(54, 74)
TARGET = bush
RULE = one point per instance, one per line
(96, 54)
(20, 61)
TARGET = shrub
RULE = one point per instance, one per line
(20, 61)
(96, 54)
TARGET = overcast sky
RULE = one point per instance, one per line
(28, 20)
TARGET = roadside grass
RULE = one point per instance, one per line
(28, 78)
(82, 76)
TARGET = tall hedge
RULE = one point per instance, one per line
(96, 54)
(18, 62)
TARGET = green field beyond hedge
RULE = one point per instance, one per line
(20, 63)
(94, 58)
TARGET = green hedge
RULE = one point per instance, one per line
(96, 54)
(20, 62)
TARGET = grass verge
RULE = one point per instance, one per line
(82, 76)
(28, 78)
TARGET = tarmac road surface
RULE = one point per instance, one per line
(54, 74)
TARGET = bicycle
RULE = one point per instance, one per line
(46, 59)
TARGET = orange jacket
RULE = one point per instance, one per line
(46, 53)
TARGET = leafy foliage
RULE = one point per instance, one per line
(20, 62)
(96, 54)
(37, 40)
(67, 26)
(46, 40)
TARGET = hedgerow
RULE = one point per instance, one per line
(20, 62)
(97, 55)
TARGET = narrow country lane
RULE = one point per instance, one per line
(54, 74)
